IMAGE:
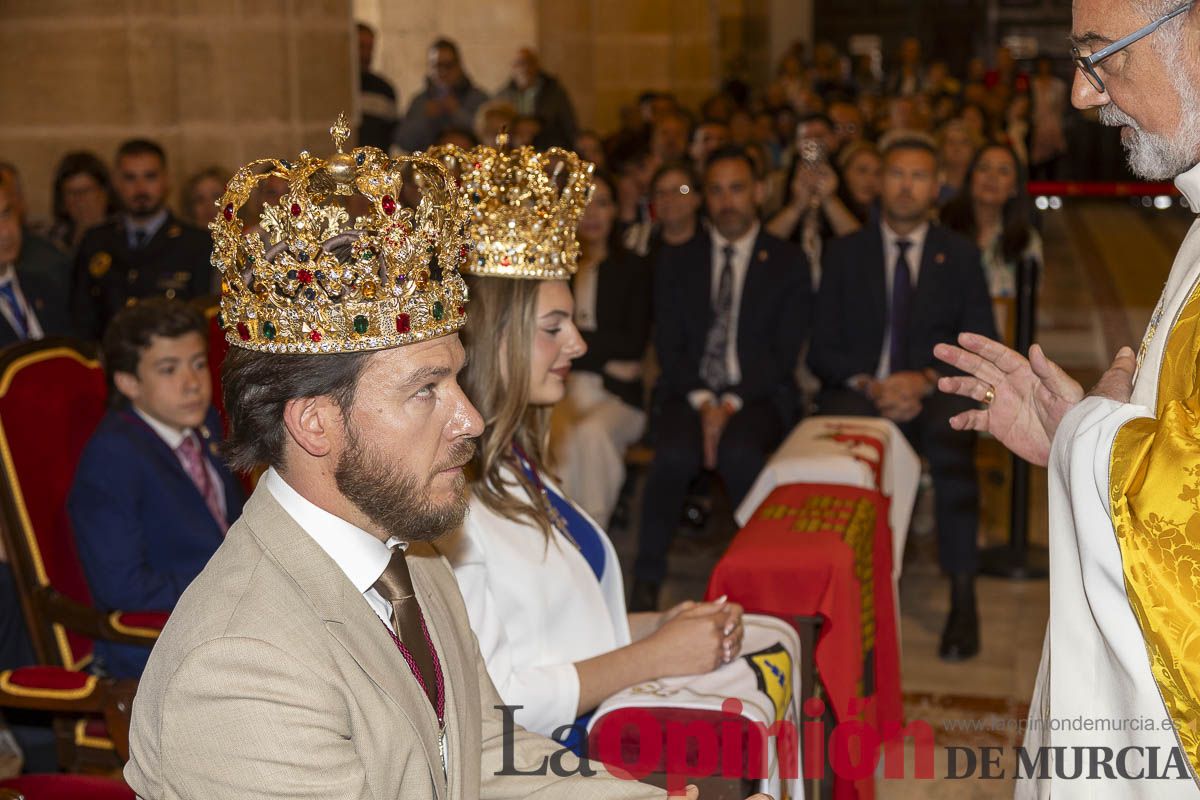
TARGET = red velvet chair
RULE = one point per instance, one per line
(52, 396)
(88, 700)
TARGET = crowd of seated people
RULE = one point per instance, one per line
(772, 232)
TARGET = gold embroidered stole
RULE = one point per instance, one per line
(1154, 493)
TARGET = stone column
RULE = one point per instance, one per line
(214, 81)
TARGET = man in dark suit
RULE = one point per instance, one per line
(145, 251)
(33, 292)
(889, 293)
(731, 309)
(151, 499)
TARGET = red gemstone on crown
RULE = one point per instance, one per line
(477, 165)
(243, 332)
(403, 324)
(504, 262)
(304, 276)
(295, 209)
(462, 310)
(388, 204)
(228, 212)
(462, 252)
(315, 336)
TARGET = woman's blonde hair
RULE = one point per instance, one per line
(498, 337)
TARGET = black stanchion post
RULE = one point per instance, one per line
(1017, 560)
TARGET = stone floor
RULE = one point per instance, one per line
(1106, 262)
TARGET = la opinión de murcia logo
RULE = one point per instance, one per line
(632, 743)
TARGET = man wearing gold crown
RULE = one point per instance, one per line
(1120, 673)
(312, 657)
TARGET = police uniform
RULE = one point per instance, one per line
(110, 273)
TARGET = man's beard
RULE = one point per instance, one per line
(1156, 157)
(394, 500)
(733, 224)
(144, 206)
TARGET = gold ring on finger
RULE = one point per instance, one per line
(989, 395)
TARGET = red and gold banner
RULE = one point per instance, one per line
(818, 549)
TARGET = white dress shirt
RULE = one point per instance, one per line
(360, 555)
(891, 251)
(743, 251)
(33, 328)
(173, 438)
(148, 227)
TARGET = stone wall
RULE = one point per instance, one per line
(608, 51)
(226, 81)
(215, 81)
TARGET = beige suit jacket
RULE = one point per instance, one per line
(274, 678)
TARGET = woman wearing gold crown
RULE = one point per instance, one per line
(541, 580)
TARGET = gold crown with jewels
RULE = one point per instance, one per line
(314, 282)
(525, 207)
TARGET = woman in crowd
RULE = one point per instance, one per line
(977, 121)
(602, 413)
(957, 145)
(994, 212)
(201, 193)
(590, 147)
(83, 197)
(540, 579)
(861, 168)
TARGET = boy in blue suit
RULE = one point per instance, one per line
(151, 499)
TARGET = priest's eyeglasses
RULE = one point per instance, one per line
(1087, 64)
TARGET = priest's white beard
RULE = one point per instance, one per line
(1154, 156)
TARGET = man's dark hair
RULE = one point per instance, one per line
(909, 142)
(141, 147)
(730, 153)
(257, 386)
(130, 332)
(447, 44)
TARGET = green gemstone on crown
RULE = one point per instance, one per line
(268, 330)
(438, 310)
(361, 323)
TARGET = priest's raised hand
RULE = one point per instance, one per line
(1025, 399)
